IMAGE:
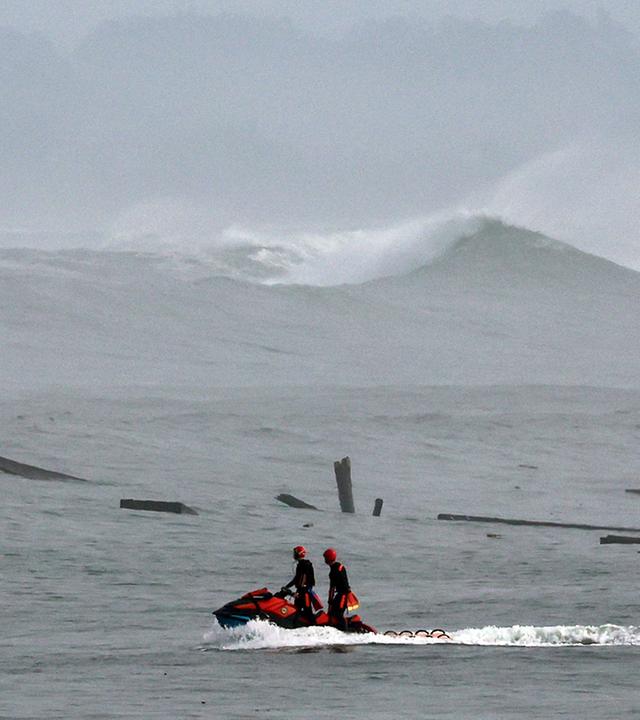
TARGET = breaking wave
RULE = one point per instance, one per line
(260, 635)
(307, 258)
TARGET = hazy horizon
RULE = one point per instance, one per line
(172, 122)
(70, 21)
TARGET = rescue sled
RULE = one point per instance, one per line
(276, 608)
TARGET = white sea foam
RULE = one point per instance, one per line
(356, 256)
(549, 636)
(259, 635)
(310, 258)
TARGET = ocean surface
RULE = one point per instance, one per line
(106, 612)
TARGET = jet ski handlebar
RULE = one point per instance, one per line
(284, 592)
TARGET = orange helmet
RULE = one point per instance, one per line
(330, 555)
(299, 551)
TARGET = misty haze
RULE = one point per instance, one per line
(181, 126)
(241, 241)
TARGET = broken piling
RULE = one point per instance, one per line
(343, 479)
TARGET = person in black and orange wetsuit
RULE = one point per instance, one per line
(303, 581)
(338, 589)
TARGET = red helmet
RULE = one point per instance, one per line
(330, 555)
(299, 551)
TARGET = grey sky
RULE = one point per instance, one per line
(320, 115)
(68, 20)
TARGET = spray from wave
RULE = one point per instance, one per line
(584, 194)
(361, 255)
(308, 258)
(260, 635)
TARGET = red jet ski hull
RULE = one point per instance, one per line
(263, 605)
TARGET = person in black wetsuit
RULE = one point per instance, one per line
(303, 580)
(338, 589)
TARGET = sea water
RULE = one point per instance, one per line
(106, 613)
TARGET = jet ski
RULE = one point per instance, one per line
(277, 609)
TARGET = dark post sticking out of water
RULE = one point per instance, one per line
(343, 479)
(377, 508)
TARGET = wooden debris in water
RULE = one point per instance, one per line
(295, 502)
(619, 540)
(157, 506)
(11, 467)
(535, 523)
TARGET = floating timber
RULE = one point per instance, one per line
(157, 506)
(11, 467)
(535, 523)
(377, 507)
(619, 539)
(295, 502)
(342, 469)
(635, 491)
